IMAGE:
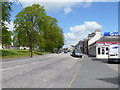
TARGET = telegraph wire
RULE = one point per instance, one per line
(20, 4)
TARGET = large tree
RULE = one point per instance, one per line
(33, 28)
(52, 33)
(27, 26)
(5, 13)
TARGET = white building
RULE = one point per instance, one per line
(95, 38)
(24, 47)
(92, 43)
(102, 45)
(1, 46)
(100, 48)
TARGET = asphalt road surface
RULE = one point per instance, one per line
(58, 71)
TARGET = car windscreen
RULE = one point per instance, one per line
(77, 51)
(113, 49)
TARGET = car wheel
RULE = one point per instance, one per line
(80, 56)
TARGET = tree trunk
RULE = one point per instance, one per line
(30, 50)
(30, 44)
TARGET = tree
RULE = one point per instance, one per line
(6, 9)
(33, 28)
(53, 34)
(6, 35)
(27, 26)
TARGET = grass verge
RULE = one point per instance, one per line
(14, 53)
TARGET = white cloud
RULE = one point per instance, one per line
(80, 32)
(55, 7)
(67, 10)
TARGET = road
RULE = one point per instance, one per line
(58, 71)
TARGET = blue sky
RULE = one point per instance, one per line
(79, 17)
(104, 13)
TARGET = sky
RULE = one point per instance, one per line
(77, 19)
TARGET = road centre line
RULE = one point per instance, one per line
(74, 76)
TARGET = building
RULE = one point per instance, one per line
(83, 44)
(93, 37)
(71, 48)
(90, 36)
(100, 48)
(79, 45)
(92, 40)
(102, 45)
(86, 41)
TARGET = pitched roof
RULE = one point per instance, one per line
(109, 39)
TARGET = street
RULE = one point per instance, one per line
(59, 71)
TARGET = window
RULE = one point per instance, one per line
(99, 50)
(103, 51)
(107, 49)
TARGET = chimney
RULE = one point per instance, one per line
(98, 31)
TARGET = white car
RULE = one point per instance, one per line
(114, 54)
(76, 53)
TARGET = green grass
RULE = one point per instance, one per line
(13, 53)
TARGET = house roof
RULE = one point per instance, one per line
(109, 39)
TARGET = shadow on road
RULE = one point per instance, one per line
(104, 61)
(113, 80)
(113, 62)
(75, 57)
(110, 62)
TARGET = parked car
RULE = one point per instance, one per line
(76, 53)
(58, 52)
(114, 55)
(65, 51)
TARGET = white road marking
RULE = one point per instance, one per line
(74, 76)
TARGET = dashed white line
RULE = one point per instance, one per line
(74, 76)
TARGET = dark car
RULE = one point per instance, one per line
(65, 51)
(58, 52)
(76, 53)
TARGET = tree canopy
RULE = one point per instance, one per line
(33, 28)
(6, 35)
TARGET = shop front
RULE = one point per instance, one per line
(102, 45)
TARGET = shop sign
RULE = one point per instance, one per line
(111, 34)
(106, 43)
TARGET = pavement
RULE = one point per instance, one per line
(95, 74)
(58, 71)
(113, 66)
